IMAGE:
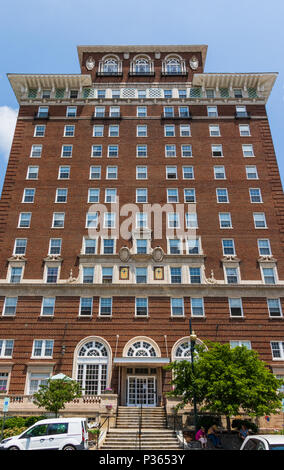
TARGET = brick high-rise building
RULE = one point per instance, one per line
(110, 306)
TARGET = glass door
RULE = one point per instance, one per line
(141, 390)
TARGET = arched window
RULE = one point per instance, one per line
(142, 66)
(110, 66)
(183, 351)
(92, 367)
(141, 349)
(173, 66)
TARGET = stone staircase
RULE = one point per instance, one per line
(154, 435)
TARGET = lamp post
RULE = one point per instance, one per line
(193, 338)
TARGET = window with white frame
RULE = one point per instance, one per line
(141, 150)
(238, 93)
(39, 130)
(191, 220)
(251, 172)
(101, 94)
(174, 246)
(141, 173)
(171, 172)
(176, 276)
(189, 195)
(4, 376)
(10, 306)
(168, 94)
(110, 195)
(232, 275)
(42, 112)
(109, 219)
(222, 195)
(36, 380)
(112, 151)
(29, 195)
(141, 246)
(173, 220)
(240, 343)
(141, 111)
(186, 150)
(6, 347)
(95, 172)
(99, 111)
(277, 349)
(71, 111)
(169, 130)
(241, 111)
(91, 220)
(274, 307)
(269, 276)
(88, 274)
(188, 172)
(225, 220)
(141, 275)
(195, 275)
(177, 307)
(182, 94)
(193, 246)
(259, 220)
(217, 150)
(97, 151)
(89, 246)
(183, 111)
(86, 306)
(20, 246)
(141, 306)
(141, 220)
(214, 130)
(66, 151)
(16, 274)
(52, 273)
(24, 220)
(32, 173)
(69, 131)
(228, 246)
(61, 195)
(248, 150)
(98, 131)
(111, 172)
(141, 195)
(264, 248)
(64, 173)
(141, 130)
(168, 111)
(197, 307)
(255, 195)
(48, 306)
(236, 307)
(184, 130)
(172, 195)
(113, 130)
(93, 195)
(219, 172)
(36, 151)
(212, 111)
(55, 246)
(108, 246)
(244, 130)
(210, 93)
(105, 306)
(58, 220)
(43, 348)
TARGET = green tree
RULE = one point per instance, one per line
(56, 393)
(227, 381)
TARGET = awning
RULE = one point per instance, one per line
(143, 361)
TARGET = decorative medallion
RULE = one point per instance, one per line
(158, 254)
(158, 273)
(124, 273)
(90, 63)
(126, 55)
(194, 63)
(157, 55)
(124, 254)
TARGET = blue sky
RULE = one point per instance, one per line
(40, 36)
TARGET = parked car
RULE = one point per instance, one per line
(51, 434)
(263, 442)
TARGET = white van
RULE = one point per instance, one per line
(51, 434)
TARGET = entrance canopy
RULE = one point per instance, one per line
(151, 361)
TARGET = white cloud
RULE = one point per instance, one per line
(8, 118)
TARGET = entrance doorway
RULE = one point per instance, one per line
(141, 390)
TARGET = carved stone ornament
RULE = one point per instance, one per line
(71, 278)
(90, 63)
(124, 254)
(194, 63)
(158, 254)
(211, 279)
(53, 258)
(17, 258)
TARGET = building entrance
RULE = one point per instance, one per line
(141, 390)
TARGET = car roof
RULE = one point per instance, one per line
(60, 420)
(270, 438)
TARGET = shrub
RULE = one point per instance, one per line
(237, 423)
(9, 432)
(20, 422)
(207, 421)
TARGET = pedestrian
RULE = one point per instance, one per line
(213, 436)
(243, 432)
(201, 437)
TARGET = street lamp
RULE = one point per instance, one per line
(193, 338)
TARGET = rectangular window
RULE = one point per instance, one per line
(244, 130)
(214, 131)
(175, 275)
(141, 131)
(251, 173)
(168, 111)
(217, 151)
(4, 381)
(264, 247)
(61, 195)
(173, 220)
(182, 94)
(268, 275)
(20, 246)
(241, 111)
(6, 347)
(186, 151)
(191, 220)
(236, 307)
(210, 93)
(48, 305)
(55, 246)
(219, 173)
(188, 173)
(238, 93)
(71, 111)
(66, 151)
(88, 275)
(225, 220)
(111, 172)
(169, 131)
(52, 274)
(73, 94)
(171, 172)
(189, 195)
(197, 307)
(168, 94)
(29, 195)
(90, 246)
(231, 275)
(172, 195)
(141, 150)
(141, 246)
(193, 246)
(259, 220)
(36, 151)
(141, 94)
(113, 131)
(105, 306)
(42, 348)
(99, 111)
(277, 348)
(86, 306)
(95, 172)
(240, 343)
(39, 131)
(58, 220)
(184, 130)
(141, 307)
(108, 246)
(195, 275)
(16, 275)
(141, 220)
(10, 306)
(141, 173)
(93, 195)
(255, 195)
(228, 247)
(183, 111)
(24, 220)
(64, 173)
(110, 195)
(101, 94)
(32, 173)
(174, 246)
(115, 94)
(141, 195)
(109, 220)
(212, 111)
(141, 111)
(177, 307)
(97, 151)
(141, 275)
(248, 150)
(112, 151)
(222, 195)
(91, 220)
(42, 112)
(98, 131)
(69, 131)
(274, 307)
